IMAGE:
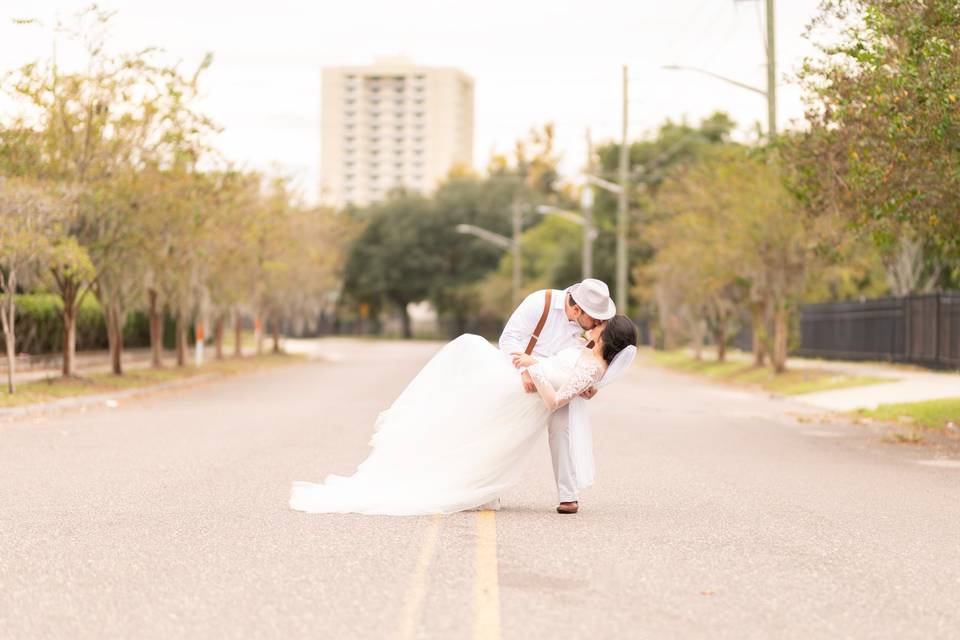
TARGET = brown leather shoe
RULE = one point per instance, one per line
(568, 507)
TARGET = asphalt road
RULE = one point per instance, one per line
(716, 514)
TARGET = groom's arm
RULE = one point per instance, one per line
(516, 334)
(519, 328)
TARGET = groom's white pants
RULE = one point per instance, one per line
(559, 436)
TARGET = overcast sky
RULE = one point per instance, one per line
(533, 61)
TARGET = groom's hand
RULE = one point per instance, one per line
(589, 393)
(528, 385)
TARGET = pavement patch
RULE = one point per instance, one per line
(943, 463)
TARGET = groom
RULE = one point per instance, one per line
(545, 323)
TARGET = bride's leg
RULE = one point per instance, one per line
(559, 432)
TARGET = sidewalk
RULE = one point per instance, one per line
(108, 400)
(88, 362)
(108, 395)
(907, 384)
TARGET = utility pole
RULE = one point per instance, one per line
(621, 292)
(771, 74)
(770, 45)
(586, 204)
(516, 248)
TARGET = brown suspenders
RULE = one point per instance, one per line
(543, 321)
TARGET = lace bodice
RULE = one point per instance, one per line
(565, 375)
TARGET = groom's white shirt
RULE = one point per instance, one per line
(558, 333)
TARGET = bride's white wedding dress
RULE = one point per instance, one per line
(457, 436)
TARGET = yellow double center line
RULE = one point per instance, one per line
(486, 587)
(418, 584)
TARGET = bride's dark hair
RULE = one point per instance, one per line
(619, 334)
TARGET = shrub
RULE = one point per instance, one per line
(39, 324)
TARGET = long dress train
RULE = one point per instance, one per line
(457, 437)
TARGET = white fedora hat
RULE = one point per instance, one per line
(593, 296)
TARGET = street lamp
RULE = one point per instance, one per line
(771, 92)
(505, 243)
(612, 187)
(585, 221)
(736, 83)
(621, 192)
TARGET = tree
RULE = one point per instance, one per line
(696, 270)
(651, 162)
(231, 255)
(394, 260)
(466, 260)
(884, 119)
(26, 213)
(741, 235)
(95, 131)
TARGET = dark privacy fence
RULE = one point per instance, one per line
(921, 329)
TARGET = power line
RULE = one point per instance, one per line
(735, 24)
(693, 20)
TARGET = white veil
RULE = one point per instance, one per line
(581, 436)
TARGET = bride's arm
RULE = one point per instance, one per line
(585, 373)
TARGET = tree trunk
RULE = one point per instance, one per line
(759, 327)
(258, 334)
(407, 328)
(118, 351)
(218, 337)
(275, 330)
(238, 336)
(698, 336)
(69, 336)
(780, 331)
(181, 341)
(9, 317)
(156, 331)
(11, 360)
(114, 333)
(69, 291)
(720, 340)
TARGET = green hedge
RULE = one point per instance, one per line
(39, 325)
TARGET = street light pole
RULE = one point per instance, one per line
(771, 74)
(517, 253)
(586, 205)
(589, 233)
(622, 207)
(771, 92)
(513, 245)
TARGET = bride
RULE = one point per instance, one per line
(460, 432)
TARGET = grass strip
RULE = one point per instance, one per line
(791, 382)
(50, 389)
(932, 414)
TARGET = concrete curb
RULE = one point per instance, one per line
(101, 398)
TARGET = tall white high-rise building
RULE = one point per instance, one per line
(392, 124)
